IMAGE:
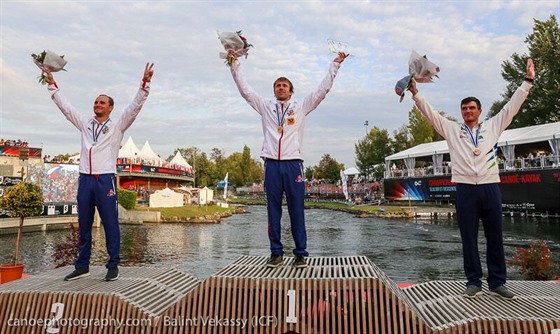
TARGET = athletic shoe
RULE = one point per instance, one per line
(472, 291)
(112, 274)
(77, 273)
(299, 262)
(275, 261)
(503, 292)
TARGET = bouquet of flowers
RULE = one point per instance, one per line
(48, 61)
(420, 69)
(235, 42)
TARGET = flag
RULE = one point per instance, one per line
(225, 185)
(344, 186)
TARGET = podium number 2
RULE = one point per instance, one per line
(57, 309)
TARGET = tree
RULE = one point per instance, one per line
(22, 200)
(218, 158)
(309, 172)
(421, 131)
(246, 165)
(543, 103)
(372, 150)
(329, 168)
(257, 171)
(401, 139)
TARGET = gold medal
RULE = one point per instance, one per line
(476, 151)
(280, 128)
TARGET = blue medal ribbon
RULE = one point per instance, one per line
(95, 134)
(474, 137)
(284, 110)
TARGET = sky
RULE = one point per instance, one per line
(193, 99)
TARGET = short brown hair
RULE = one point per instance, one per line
(111, 102)
(286, 80)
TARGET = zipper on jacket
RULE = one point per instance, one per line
(280, 144)
(90, 161)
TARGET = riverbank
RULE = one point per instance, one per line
(195, 214)
(387, 210)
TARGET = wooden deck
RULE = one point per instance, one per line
(332, 295)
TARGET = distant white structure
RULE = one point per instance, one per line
(166, 198)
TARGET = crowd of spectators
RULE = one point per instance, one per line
(14, 143)
(59, 184)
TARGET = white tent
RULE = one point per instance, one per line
(148, 154)
(352, 171)
(166, 198)
(129, 149)
(205, 196)
(179, 160)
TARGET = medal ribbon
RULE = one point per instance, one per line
(474, 136)
(94, 133)
(281, 120)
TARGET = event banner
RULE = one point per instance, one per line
(14, 151)
(535, 190)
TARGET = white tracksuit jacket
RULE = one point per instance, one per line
(466, 166)
(100, 142)
(287, 144)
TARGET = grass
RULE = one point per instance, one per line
(189, 211)
(199, 211)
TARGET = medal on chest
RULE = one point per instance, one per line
(281, 114)
(474, 139)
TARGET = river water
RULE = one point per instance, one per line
(408, 250)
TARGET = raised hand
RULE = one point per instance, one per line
(148, 72)
(341, 56)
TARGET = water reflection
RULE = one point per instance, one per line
(407, 250)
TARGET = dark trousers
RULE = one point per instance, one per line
(474, 203)
(285, 177)
(98, 191)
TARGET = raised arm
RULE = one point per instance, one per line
(311, 101)
(134, 108)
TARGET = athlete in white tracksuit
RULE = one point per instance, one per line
(282, 124)
(475, 170)
(101, 137)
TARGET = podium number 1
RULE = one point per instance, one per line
(291, 318)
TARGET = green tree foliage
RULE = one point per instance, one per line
(372, 150)
(126, 198)
(309, 172)
(421, 131)
(22, 200)
(543, 103)
(401, 139)
(218, 157)
(328, 168)
(246, 165)
(242, 168)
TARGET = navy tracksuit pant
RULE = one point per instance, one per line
(285, 176)
(474, 203)
(98, 191)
